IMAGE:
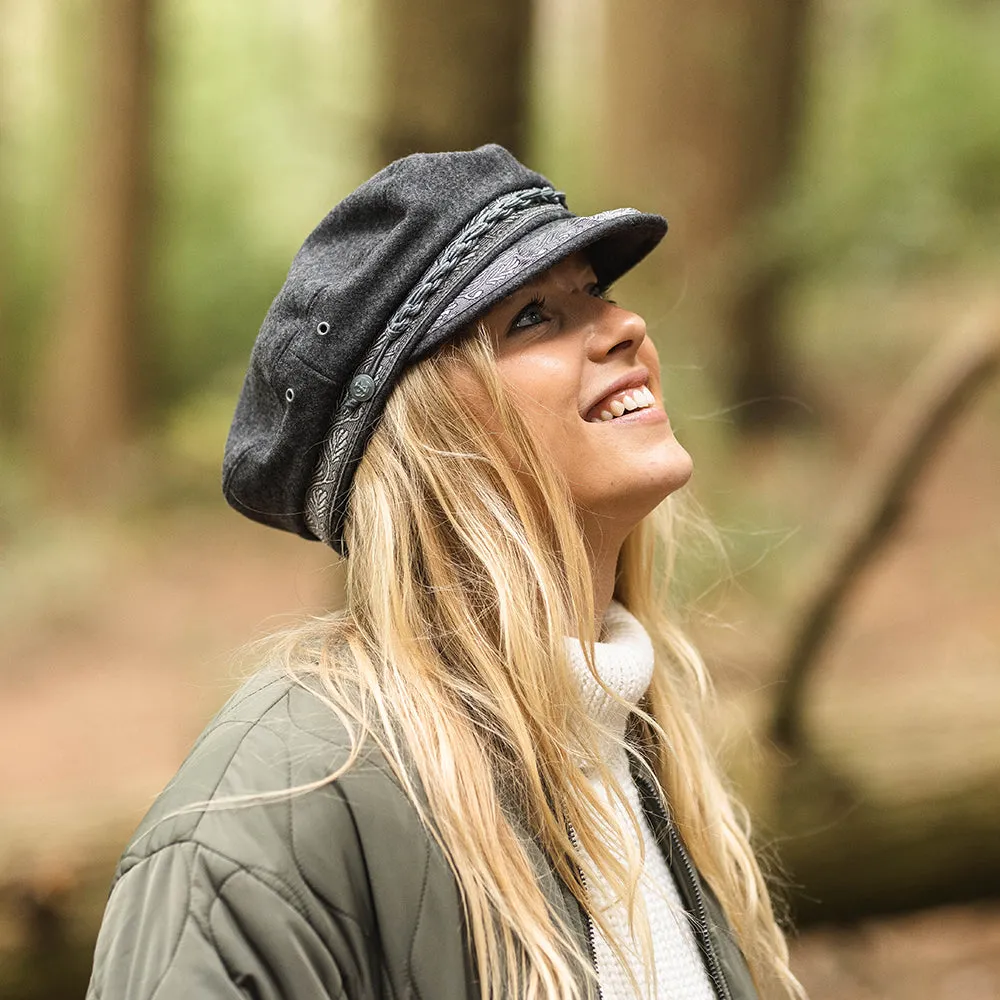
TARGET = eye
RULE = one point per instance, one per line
(602, 292)
(531, 315)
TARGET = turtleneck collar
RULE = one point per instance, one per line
(624, 661)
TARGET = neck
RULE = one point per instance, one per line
(604, 550)
(604, 589)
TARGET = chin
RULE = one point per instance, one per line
(679, 470)
(671, 476)
(626, 509)
(671, 470)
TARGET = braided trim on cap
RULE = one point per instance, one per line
(325, 497)
(460, 248)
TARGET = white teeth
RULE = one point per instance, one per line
(634, 399)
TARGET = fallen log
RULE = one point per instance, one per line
(845, 855)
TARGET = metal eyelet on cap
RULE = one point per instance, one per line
(289, 394)
(362, 387)
(323, 328)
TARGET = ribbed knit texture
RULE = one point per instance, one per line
(624, 661)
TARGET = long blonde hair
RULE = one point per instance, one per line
(466, 571)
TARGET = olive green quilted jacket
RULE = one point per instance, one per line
(338, 892)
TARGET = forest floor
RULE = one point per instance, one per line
(119, 638)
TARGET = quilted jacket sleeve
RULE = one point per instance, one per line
(236, 885)
(257, 873)
(189, 922)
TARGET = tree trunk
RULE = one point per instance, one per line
(703, 109)
(90, 394)
(454, 74)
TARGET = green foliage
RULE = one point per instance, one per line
(901, 156)
(260, 132)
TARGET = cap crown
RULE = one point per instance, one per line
(352, 272)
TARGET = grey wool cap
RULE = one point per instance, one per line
(403, 264)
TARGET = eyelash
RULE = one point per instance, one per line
(538, 302)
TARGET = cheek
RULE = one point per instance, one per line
(648, 356)
(543, 389)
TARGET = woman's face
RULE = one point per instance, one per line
(587, 379)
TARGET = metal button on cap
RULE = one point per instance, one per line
(362, 387)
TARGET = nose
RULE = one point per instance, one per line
(615, 330)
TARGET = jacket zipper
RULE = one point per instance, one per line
(714, 966)
(591, 941)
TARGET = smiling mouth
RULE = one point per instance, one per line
(621, 402)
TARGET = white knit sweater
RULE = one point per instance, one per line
(624, 661)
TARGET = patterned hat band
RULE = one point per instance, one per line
(445, 298)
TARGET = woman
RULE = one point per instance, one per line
(484, 777)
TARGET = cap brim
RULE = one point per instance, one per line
(615, 242)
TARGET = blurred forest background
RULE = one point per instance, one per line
(825, 305)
